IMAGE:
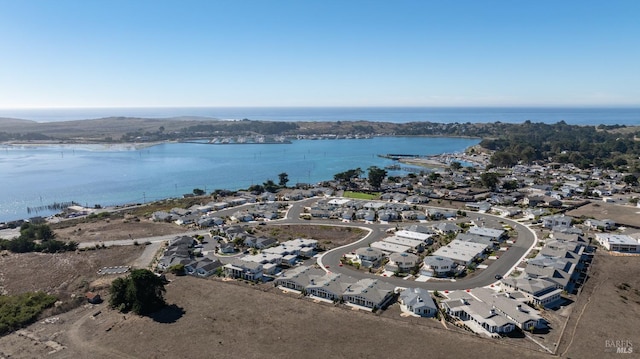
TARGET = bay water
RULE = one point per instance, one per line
(35, 176)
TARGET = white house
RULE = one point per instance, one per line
(435, 266)
(243, 269)
(618, 242)
(558, 220)
(369, 257)
(418, 301)
(402, 262)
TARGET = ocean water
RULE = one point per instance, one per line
(36, 176)
(575, 116)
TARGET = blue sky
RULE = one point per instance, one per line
(138, 53)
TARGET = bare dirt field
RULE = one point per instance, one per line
(328, 236)
(62, 274)
(212, 318)
(115, 228)
(607, 309)
(620, 214)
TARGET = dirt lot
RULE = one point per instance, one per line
(328, 236)
(114, 228)
(607, 309)
(600, 210)
(61, 273)
(240, 321)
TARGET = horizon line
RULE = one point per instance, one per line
(637, 106)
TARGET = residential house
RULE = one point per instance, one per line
(369, 293)
(238, 268)
(299, 278)
(207, 267)
(558, 220)
(418, 301)
(618, 242)
(603, 225)
(330, 286)
(495, 235)
(402, 262)
(389, 247)
(369, 257)
(446, 228)
(538, 291)
(469, 309)
(424, 237)
(414, 244)
(523, 316)
(435, 266)
(462, 253)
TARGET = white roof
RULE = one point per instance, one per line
(617, 238)
(390, 247)
(404, 241)
(486, 232)
(413, 235)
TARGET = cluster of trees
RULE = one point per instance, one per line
(17, 311)
(29, 136)
(141, 292)
(584, 146)
(36, 238)
(241, 127)
(375, 176)
(269, 185)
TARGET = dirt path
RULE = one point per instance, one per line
(81, 345)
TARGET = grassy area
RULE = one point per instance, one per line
(361, 195)
(20, 310)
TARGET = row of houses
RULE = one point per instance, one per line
(205, 215)
(486, 311)
(370, 211)
(559, 262)
(179, 251)
(368, 293)
(269, 260)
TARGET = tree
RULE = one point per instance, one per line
(376, 176)
(511, 185)
(630, 179)
(141, 292)
(283, 179)
(198, 192)
(489, 180)
(455, 165)
(348, 176)
(270, 186)
(256, 189)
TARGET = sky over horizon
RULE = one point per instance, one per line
(191, 53)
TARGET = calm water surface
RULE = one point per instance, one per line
(36, 176)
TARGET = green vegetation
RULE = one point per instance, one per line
(141, 292)
(17, 311)
(36, 238)
(584, 146)
(361, 195)
(177, 269)
(376, 176)
(348, 176)
(283, 179)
